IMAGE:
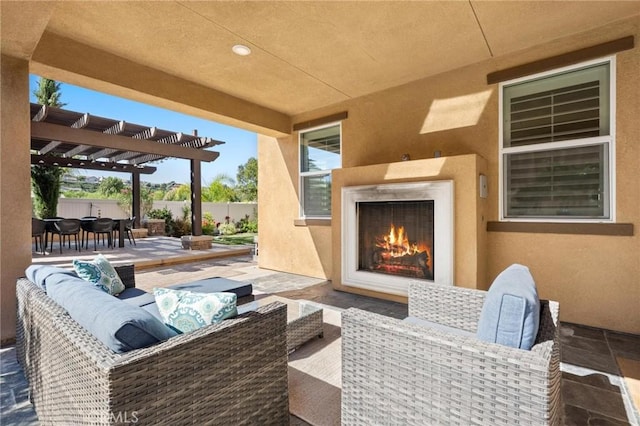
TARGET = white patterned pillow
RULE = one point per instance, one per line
(186, 311)
(99, 272)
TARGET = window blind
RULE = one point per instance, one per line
(317, 195)
(563, 114)
(562, 182)
(567, 106)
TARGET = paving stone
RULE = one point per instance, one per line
(575, 416)
(609, 404)
(600, 381)
(591, 360)
(591, 345)
(624, 345)
(582, 331)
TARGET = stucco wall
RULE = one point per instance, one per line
(595, 278)
(302, 250)
(15, 211)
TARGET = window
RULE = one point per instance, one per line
(557, 145)
(319, 154)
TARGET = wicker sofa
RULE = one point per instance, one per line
(397, 373)
(234, 372)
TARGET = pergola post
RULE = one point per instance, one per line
(196, 198)
(136, 195)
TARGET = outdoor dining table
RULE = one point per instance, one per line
(119, 225)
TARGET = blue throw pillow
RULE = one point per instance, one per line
(186, 311)
(511, 312)
(100, 273)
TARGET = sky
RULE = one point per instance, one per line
(239, 144)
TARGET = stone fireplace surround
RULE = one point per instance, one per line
(469, 217)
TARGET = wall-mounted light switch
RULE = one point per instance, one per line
(483, 186)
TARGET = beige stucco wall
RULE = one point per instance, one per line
(15, 211)
(302, 250)
(595, 278)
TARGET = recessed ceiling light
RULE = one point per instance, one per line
(241, 49)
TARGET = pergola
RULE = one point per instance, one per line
(63, 138)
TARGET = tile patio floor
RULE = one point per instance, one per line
(593, 391)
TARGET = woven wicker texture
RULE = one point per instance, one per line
(304, 320)
(395, 373)
(234, 372)
(304, 328)
(127, 275)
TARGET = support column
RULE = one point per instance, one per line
(136, 194)
(15, 187)
(196, 198)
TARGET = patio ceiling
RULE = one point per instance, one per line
(305, 55)
(66, 138)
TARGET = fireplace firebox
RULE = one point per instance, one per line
(396, 233)
(396, 238)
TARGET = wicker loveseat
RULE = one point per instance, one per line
(398, 373)
(234, 372)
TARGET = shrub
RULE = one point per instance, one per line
(247, 225)
(165, 214)
(181, 227)
(209, 225)
(227, 229)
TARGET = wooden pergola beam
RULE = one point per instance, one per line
(104, 166)
(48, 131)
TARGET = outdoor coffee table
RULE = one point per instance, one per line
(304, 319)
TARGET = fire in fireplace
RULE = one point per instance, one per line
(396, 238)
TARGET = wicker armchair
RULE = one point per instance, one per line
(234, 372)
(396, 373)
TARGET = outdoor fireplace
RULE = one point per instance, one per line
(393, 234)
(396, 238)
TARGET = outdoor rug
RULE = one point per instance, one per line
(315, 375)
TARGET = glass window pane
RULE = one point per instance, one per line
(563, 182)
(317, 195)
(566, 106)
(320, 149)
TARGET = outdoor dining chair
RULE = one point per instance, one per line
(66, 228)
(85, 224)
(38, 228)
(49, 229)
(100, 226)
(128, 229)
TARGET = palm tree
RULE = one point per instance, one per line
(221, 189)
(45, 180)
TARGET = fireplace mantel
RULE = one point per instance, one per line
(469, 244)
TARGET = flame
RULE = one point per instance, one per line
(396, 243)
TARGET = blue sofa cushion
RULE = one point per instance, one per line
(187, 311)
(40, 275)
(119, 325)
(511, 312)
(217, 285)
(135, 296)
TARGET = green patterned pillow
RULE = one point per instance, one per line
(100, 273)
(186, 311)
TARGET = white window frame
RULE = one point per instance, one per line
(302, 175)
(610, 139)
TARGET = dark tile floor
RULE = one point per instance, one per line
(593, 391)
